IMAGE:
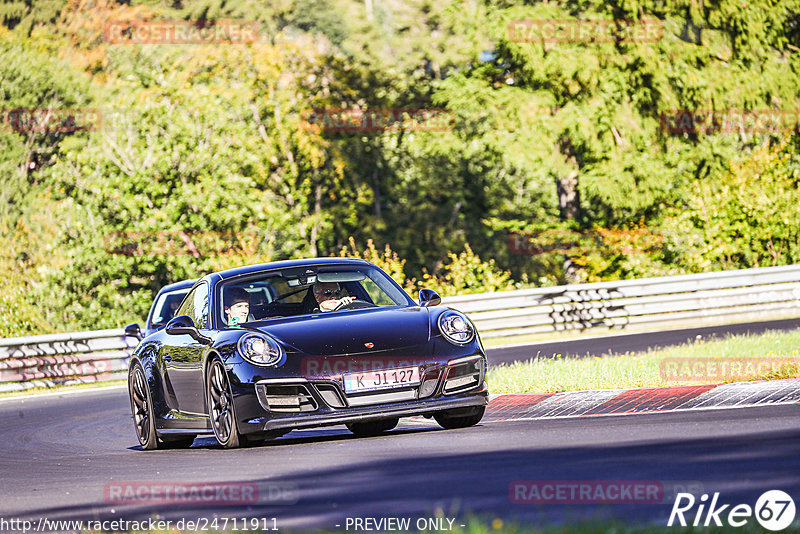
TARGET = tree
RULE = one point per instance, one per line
(582, 122)
(207, 155)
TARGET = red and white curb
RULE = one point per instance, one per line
(521, 406)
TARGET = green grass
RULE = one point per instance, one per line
(731, 359)
(523, 339)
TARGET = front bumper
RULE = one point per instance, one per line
(380, 411)
(294, 403)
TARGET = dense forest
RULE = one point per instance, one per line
(466, 146)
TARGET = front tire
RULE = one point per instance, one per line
(460, 418)
(372, 428)
(220, 407)
(142, 407)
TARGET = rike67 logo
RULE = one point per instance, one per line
(774, 510)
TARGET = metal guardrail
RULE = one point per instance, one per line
(60, 359)
(628, 305)
(641, 304)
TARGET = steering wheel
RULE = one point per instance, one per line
(354, 305)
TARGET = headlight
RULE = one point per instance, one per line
(456, 328)
(260, 350)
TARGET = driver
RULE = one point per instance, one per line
(327, 295)
(237, 305)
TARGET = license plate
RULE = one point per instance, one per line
(383, 379)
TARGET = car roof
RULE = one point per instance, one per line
(247, 269)
(183, 284)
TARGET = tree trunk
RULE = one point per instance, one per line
(376, 193)
(569, 202)
(569, 207)
(315, 224)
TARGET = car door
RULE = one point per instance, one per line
(183, 355)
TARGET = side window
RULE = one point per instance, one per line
(376, 294)
(200, 306)
(187, 308)
(166, 306)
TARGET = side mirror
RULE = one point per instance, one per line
(134, 330)
(429, 297)
(183, 325)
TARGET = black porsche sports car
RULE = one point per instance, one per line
(257, 351)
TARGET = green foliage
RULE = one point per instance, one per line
(31, 80)
(204, 160)
(19, 315)
(22, 15)
(198, 162)
(387, 260)
(466, 273)
(461, 273)
(748, 218)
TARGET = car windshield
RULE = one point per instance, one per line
(166, 305)
(299, 291)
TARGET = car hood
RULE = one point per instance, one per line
(352, 332)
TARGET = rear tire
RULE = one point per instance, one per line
(220, 407)
(460, 418)
(372, 428)
(142, 407)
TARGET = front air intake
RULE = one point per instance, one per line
(279, 398)
(330, 394)
(464, 376)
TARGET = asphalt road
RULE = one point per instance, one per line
(59, 453)
(619, 344)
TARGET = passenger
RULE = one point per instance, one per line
(237, 305)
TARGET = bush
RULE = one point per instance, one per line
(20, 315)
(467, 273)
(388, 260)
(748, 218)
(463, 273)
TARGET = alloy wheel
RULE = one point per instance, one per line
(142, 408)
(220, 403)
